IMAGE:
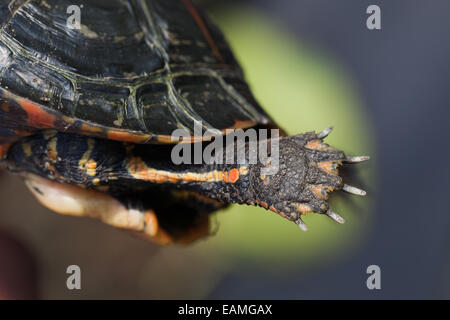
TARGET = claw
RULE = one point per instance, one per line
(335, 217)
(301, 224)
(356, 159)
(353, 190)
(324, 133)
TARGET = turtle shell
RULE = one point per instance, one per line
(133, 71)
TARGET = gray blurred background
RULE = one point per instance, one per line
(403, 73)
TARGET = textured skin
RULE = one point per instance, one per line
(292, 185)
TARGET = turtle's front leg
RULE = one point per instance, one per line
(307, 173)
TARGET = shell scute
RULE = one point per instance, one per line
(135, 71)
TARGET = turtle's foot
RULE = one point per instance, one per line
(72, 200)
(308, 172)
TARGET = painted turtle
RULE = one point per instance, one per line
(87, 114)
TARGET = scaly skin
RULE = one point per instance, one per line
(307, 171)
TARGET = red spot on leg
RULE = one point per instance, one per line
(233, 175)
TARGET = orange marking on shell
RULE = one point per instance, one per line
(272, 208)
(127, 136)
(163, 138)
(37, 116)
(192, 139)
(242, 124)
(198, 19)
(90, 128)
(233, 175)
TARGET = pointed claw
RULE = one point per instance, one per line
(356, 159)
(301, 224)
(333, 215)
(353, 190)
(324, 133)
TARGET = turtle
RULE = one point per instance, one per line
(92, 93)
